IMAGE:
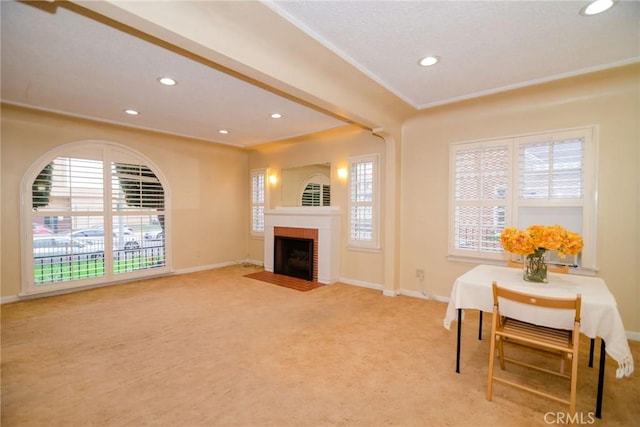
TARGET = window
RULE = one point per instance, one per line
(316, 192)
(481, 183)
(363, 202)
(257, 201)
(516, 182)
(97, 213)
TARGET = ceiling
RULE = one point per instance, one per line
(56, 58)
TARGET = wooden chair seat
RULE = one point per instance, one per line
(532, 334)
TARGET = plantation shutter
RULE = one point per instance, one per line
(551, 169)
(311, 195)
(316, 195)
(538, 179)
(362, 198)
(76, 186)
(481, 186)
(326, 195)
(98, 201)
(551, 186)
(135, 186)
(257, 201)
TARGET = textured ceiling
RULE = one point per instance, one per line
(62, 61)
(485, 46)
(56, 59)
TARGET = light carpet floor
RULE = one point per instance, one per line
(215, 348)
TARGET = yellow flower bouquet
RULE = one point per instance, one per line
(533, 242)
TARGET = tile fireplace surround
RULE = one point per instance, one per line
(325, 219)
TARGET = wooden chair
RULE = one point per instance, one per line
(556, 341)
(556, 268)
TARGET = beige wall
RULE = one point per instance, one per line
(333, 147)
(202, 176)
(208, 186)
(608, 99)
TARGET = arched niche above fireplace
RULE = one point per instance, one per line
(297, 179)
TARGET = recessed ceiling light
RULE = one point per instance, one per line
(223, 131)
(596, 7)
(428, 61)
(276, 116)
(167, 81)
(131, 112)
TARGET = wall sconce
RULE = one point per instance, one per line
(342, 173)
(273, 179)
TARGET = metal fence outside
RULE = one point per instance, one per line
(62, 268)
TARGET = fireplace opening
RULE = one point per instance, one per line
(293, 257)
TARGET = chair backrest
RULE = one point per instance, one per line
(547, 302)
(564, 269)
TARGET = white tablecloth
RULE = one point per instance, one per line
(600, 316)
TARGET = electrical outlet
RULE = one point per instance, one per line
(420, 274)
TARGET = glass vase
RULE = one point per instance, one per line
(535, 266)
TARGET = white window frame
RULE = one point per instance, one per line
(485, 203)
(587, 203)
(109, 150)
(373, 243)
(256, 204)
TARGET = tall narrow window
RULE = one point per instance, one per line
(97, 213)
(481, 180)
(257, 201)
(363, 199)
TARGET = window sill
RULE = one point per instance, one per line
(363, 249)
(578, 271)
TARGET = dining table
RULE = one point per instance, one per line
(600, 317)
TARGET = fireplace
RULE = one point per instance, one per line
(295, 252)
(320, 224)
(293, 257)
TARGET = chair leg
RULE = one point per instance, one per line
(501, 352)
(574, 382)
(603, 356)
(458, 345)
(492, 356)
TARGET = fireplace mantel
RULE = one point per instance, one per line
(325, 219)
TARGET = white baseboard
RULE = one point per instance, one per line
(423, 295)
(360, 283)
(205, 267)
(390, 292)
(633, 336)
(7, 300)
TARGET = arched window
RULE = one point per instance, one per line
(92, 213)
(316, 191)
